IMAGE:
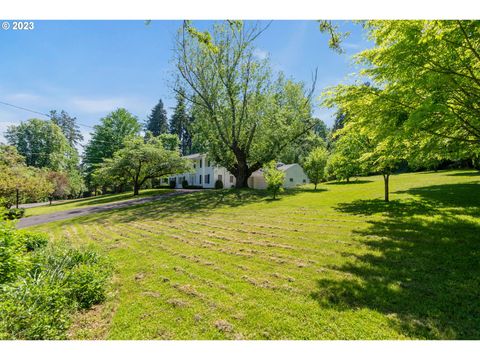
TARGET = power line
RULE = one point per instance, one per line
(22, 108)
(48, 116)
(39, 113)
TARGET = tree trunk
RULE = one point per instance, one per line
(243, 172)
(348, 179)
(136, 189)
(315, 186)
(385, 180)
(17, 197)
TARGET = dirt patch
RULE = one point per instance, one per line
(223, 326)
(177, 303)
(151, 294)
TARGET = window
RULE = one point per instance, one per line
(220, 177)
(291, 179)
(207, 179)
(200, 179)
(194, 165)
(200, 163)
(208, 163)
(231, 178)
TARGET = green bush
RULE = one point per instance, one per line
(184, 184)
(44, 285)
(86, 284)
(172, 184)
(34, 241)
(13, 259)
(218, 184)
(13, 214)
(35, 309)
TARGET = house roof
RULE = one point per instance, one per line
(194, 156)
(280, 166)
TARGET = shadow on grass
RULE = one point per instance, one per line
(104, 199)
(422, 267)
(193, 203)
(465, 173)
(348, 183)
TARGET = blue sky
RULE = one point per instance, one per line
(89, 68)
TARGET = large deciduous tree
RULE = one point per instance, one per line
(109, 137)
(18, 182)
(431, 70)
(141, 160)
(43, 145)
(344, 162)
(370, 138)
(244, 116)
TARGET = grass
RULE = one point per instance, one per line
(91, 201)
(337, 263)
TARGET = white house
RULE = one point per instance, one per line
(206, 173)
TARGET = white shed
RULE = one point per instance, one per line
(294, 176)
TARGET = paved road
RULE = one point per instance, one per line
(61, 215)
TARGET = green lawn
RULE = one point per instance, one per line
(338, 263)
(91, 201)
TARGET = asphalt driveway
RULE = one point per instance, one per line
(62, 215)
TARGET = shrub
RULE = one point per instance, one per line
(194, 187)
(184, 184)
(172, 184)
(86, 284)
(14, 213)
(34, 241)
(218, 184)
(34, 309)
(44, 285)
(13, 261)
(274, 178)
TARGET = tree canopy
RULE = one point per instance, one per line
(430, 69)
(274, 178)
(140, 160)
(314, 165)
(109, 137)
(19, 182)
(43, 145)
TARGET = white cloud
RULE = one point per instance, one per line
(260, 53)
(23, 97)
(98, 105)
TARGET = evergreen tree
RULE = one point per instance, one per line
(157, 122)
(68, 126)
(180, 124)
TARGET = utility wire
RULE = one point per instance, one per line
(22, 108)
(48, 116)
(38, 112)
